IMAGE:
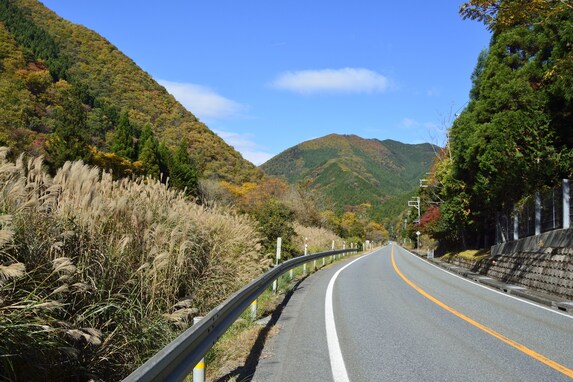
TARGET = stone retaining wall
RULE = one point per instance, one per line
(543, 263)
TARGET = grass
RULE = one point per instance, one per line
(96, 274)
(318, 239)
(470, 255)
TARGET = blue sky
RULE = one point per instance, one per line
(267, 75)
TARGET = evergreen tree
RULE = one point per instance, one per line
(182, 172)
(146, 133)
(150, 157)
(124, 141)
(164, 161)
(68, 140)
(515, 135)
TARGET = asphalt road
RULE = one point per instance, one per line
(407, 320)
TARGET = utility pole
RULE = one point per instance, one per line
(416, 204)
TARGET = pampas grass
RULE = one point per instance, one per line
(98, 274)
(318, 239)
(11, 271)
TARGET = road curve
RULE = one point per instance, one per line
(397, 317)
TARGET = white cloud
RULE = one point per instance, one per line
(244, 144)
(346, 80)
(257, 157)
(202, 101)
(409, 122)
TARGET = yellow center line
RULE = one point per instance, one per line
(524, 349)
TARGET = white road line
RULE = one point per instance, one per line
(337, 365)
(487, 287)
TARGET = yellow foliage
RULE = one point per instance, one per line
(238, 191)
(119, 166)
(250, 196)
(501, 15)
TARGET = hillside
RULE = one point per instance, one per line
(350, 171)
(43, 56)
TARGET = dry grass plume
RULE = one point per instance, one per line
(97, 274)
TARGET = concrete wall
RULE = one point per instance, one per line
(543, 263)
(558, 239)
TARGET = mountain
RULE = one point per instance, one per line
(350, 171)
(44, 59)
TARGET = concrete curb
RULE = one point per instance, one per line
(545, 299)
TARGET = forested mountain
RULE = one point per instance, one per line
(354, 173)
(68, 93)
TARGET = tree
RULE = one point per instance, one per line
(376, 232)
(352, 227)
(500, 15)
(331, 221)
(182, 172)
(102, 119)
(514, 137)
(69, 140)
(275, 220)
(124, 140)
(150, 157)
(146, 133)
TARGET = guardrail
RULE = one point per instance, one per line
(177, 360)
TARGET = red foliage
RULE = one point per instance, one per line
(430, 218)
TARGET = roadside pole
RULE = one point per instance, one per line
(278, 257)
(199, 369)
(305, 252)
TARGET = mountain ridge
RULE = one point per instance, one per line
(351, 171)
(92, 63)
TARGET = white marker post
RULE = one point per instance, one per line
(305, 252)
(332, 257)
(199, 369)
(314, 265)
(254, 310)
(279, 243)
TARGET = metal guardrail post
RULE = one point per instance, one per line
(199, 369)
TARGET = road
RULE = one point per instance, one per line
(395, 317)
